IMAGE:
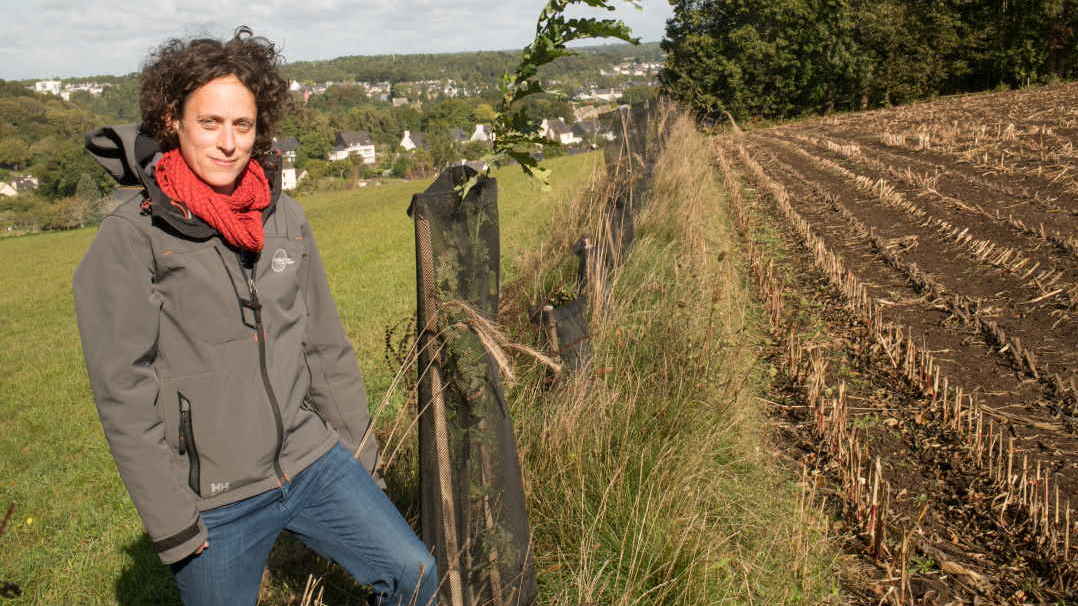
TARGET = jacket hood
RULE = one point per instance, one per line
(128, 155)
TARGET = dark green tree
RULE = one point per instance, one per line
(14, 153)
(783, 58)
(60, 174)
(767, 58)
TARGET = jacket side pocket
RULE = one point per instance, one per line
(187, 443)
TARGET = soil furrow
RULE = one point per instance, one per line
(998, 199)
(1054, 337)
(961, 351)
(952, 211)
(937, 500)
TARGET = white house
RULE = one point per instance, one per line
(412, 140)
(92, 88)
(558, 131)
(24, 183)
(287, 146)
(353, 143)
(288, 177)
(47, 86)
(601, 94)
(483, 133)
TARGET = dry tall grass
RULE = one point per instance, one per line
(648, 474)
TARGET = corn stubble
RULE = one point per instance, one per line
(1029, 488)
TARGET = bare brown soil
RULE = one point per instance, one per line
(923, 301)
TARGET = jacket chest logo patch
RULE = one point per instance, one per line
(281, 260)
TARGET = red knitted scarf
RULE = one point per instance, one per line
(236, 217)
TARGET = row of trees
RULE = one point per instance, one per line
(784, 58)
(475, 70)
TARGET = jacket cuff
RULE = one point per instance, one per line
(182, 544)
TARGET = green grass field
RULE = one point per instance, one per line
(75, 537)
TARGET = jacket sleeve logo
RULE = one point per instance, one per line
(281, 260)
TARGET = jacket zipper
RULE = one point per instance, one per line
(187, 444)
(256, 307)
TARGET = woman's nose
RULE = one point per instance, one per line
(226, 139)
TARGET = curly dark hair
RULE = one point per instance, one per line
(178, 68)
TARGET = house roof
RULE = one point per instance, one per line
(349, 138)
(419, 139)
(286, 144)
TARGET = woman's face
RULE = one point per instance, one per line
(217, 131)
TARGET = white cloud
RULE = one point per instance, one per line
(44, 38)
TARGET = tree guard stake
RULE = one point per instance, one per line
(472, 494)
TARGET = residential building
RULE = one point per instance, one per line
(287, 146)
(411, 141)
(47, 86)
(288, 176)
(558, 131)
(92, 88)
(353, 143)
(483, 133)
(24, 183)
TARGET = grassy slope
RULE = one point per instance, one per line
(75, 537)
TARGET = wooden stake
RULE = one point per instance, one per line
(874, 514)
(1056, 483)
(1067, 535)
(958, 409)
(550, 323)
(1010, 464)
(1023, 493)
(977, 437)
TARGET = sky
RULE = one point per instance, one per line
(69, 38)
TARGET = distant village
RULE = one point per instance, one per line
(585, 133)
(588, 103)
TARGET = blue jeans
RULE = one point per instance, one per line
(337, 510)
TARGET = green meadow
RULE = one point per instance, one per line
(74, 537)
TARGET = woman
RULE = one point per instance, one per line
(228, 391)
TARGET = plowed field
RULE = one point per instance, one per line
(920, 270)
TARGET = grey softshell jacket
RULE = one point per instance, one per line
(217, 376)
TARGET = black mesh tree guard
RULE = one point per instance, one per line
(629, 159)
(472, 496)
